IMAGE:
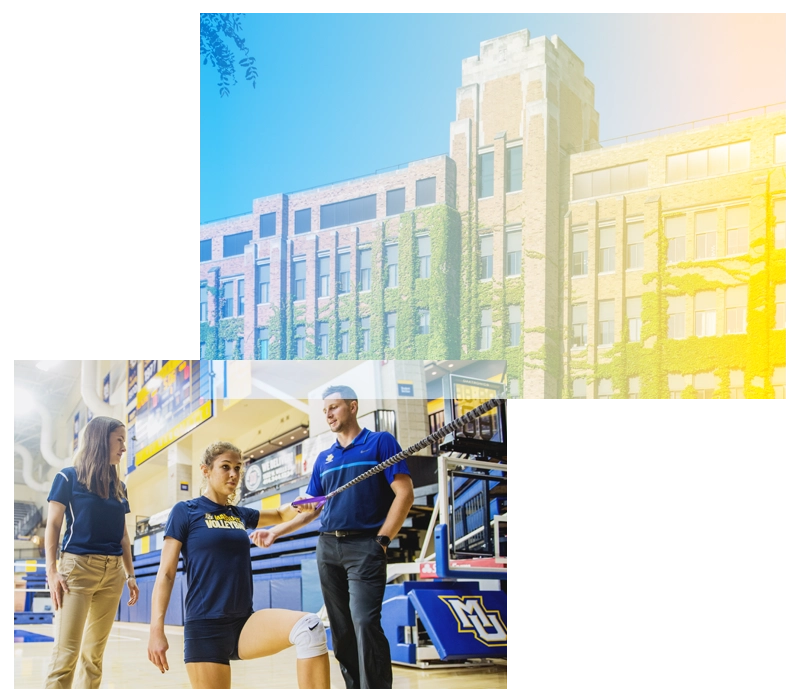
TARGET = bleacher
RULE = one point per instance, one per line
(27, 517)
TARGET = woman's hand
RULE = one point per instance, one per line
(133, 589)
(157, 649)
(58, 586)
(262, 538)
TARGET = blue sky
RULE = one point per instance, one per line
(339, 96)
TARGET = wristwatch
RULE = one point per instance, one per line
(383, 540)
(130, 576)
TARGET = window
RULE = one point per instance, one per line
(605, 262)
(780, 148)
(580, 253)
(513, 253)
(240, 297)
(600, 183)
(579, 388)
(262, 341)
(302, 221)
(604, 389)
(229, 350)
(580, 328)
(349, 212)
(486, 329)
(343, 265)
(324, 276)
(676, 317)
(424, 322)
(514, 325)
(736, 309)
(779, 382)
(486, 256)
(390, 251)
(300, 342)
(780, 307)
(635, 245)
(485, 174)
(676, 384)
(203, 303)
(205, 250)
(262, 284)
(203, 352)
(344, 336)
(737, 384)
(737, 222)
(396, 201)
(705, 314)
(779, 210)
(426, 191)
(266, 226)
(299, 279)
(709, 161)
(705, 384)
(365, 269)
(322, 338)
(365, 334)
(633, 310)
(235, 243)
(513, 388)
(705, 235)
(391, 329)
(675, 229)
(605, 317)
(229, 300)
(633, 388)
(424, 255)
(514, 169)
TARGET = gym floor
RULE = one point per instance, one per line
(126, 666)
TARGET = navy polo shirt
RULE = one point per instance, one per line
(95, 525)
(365, 505)
(216, 557)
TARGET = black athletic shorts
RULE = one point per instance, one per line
(212, 641)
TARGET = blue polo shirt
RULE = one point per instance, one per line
(365, 505)
(216, 557)
(94, 525)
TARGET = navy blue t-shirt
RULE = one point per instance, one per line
(365, 505)
(216, 557)
(94, 525)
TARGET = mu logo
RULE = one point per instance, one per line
(472, 616)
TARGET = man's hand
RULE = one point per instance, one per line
(262, 538)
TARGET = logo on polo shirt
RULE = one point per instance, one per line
(329, 459)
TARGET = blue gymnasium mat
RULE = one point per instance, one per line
(23, 636)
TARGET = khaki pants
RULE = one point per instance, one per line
(86, 615)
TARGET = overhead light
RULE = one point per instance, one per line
(450, 365)
(47, 365)
(433, 373)
(24, 402)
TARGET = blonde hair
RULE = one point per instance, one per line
(214, 450)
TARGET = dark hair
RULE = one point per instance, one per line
(214, 450)
(92, 464)
(344, 391)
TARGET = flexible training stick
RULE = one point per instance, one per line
(433, 437)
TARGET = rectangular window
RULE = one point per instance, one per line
(300, 342)
(229, 351)
(343, 265)
(737, 221)
(344, 336)
(604, 389)
(424, 256)
(262, 342)
(675, 229)
(513, 389)
(426, 191)
(203, 303)
(235, 243)
(514, 325)
(676, 317)
(487, 258)
(390, 251)
(266, 226)
(348, 212)
(605, 262)
(203, 352)
(736, 309)
(513, 253)
(737, 383)
(299, 280)
(302, 221)
(485, 174)
(705, 384)
(365, 270)
(486, 329)
(676, 384)
(324, 276)
(391, 329)
(514, 169)
(739, 158)
(424, 322)
(779, 382)
(633, 309)
(779, 211)
(240, 297)
(780, 148)
(579, 388)
(228, 302)
(635, 245)
(705, 235)
(262, 284)
(580, 327)
(780, 307)
(322, 338)
(601, 183)
(705, 314)
(633, 387)
(718, 160)
(205, 250)
(365, 345)
(605, 318)
(580, 253)
(396, 201)
(582, 186)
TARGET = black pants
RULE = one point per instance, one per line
(352, 572)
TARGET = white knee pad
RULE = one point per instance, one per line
(308, 637)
